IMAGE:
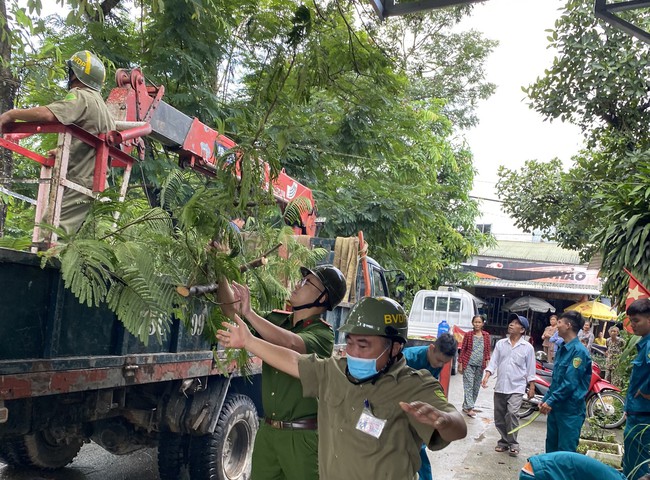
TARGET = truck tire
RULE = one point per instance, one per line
(226, 454)
(172, 456)
(39, 450)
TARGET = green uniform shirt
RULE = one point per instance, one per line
(344, 451)
(85, 108)
(282, 396)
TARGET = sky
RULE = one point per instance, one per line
(509, 133)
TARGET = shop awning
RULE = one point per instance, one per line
(536, 286)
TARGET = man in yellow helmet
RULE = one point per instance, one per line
(82, 106)
(374, 411)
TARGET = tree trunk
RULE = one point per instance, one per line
(7, 97)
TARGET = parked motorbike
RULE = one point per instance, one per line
(604, 400)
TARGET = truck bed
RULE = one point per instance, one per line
(50, 343)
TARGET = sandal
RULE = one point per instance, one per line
(470, 413)
(500, 449)
(514, 452)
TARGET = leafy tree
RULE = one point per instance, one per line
(356, 126)
(444, 66)
(597, 81)
(367, 125)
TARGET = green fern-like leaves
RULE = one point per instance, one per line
(142, 299)
(132, 257)
(87, 268)
(22, 243)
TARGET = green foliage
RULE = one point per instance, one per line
(542, 196)
(379, 156)
(20, 222)
(295, 209)
(592, 430)
(600, 205)
(624, 366)
(22, 243)
(133, 263)
(443, 64)
(594, 82)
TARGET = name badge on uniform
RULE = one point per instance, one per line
(370, 424)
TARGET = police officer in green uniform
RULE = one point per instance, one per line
(286, 445)
(82, 106)
(374, 411)
(564, 402)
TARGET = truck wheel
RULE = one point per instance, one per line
(226, 454)
(40, 450)
(172, 456)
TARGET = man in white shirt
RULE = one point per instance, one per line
(514, 360)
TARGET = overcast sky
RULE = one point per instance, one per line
(509, 132)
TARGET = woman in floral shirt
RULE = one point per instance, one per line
(615, 346)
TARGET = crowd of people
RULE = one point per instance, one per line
(381, 390)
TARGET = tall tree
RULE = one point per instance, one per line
(599, 82)
(357, 127)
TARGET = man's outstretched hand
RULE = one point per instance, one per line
(235, 335)
(243, 295)
(425, 413)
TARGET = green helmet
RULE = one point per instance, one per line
(88, 69)
(332, 279)
(380, 316)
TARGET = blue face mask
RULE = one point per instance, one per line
(363, 368)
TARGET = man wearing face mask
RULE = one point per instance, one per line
(82, 106)
(374, 411)
(286, 445)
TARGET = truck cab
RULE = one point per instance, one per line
(430, 307)
(377, 283)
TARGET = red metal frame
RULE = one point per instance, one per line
(54, 170)
(202, 148)
(104, 151)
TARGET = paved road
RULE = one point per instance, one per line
(471, 458)
(95, 463)
(474, 456)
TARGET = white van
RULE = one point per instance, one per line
(430, 307)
